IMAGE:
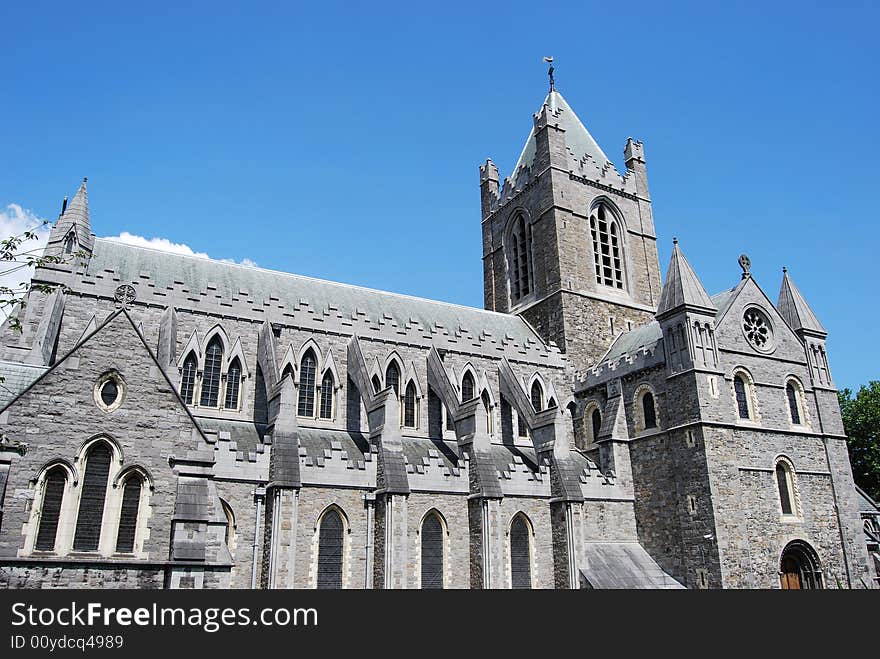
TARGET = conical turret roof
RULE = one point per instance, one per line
(682, 287)
(794, 308)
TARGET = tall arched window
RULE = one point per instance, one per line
(793, 403)
(307, 366)
(326, 407)
(92, 496)
(519, 258)
(596, 420)
(392, 377)
(537, 396)
(520, 554)
(330, 546)
(188, 379)
(606, 248)
(376, 384)
(487, 408)
(432, 552)
(648, 410)
(211, 377)
(54, 485)
(468, 387)
(785, 485)
(410, 407)
(233, 385)
(128, 514)
(740, 388)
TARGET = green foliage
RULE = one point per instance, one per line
(861, 419)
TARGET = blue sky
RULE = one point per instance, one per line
(341, 140)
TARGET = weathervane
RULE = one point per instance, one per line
(549, 61)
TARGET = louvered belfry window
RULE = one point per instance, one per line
(520, 554)
(432, 552)
(606, 248)
(326, 411)
(53, 495)
(92, 496)
(467, 387)
(233, 385)
(188, 379)
(330, 540)
(211, 378)
(519, 253)
(307, 367)
(128, 515)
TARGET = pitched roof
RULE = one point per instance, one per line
(577, 138)
(794, 308)
(682, 287)
(643, 337)
(229, 280)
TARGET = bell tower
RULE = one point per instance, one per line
(569, 242)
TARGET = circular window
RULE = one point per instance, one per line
(109, 391)
(757, 330)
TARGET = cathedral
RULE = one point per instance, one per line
(171, 421)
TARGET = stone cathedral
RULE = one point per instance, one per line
(170, 421)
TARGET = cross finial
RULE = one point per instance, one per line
(549, 60)
(746, 265)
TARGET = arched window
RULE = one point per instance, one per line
(740, 388)
(92, 496)
(785, 485)
(519, 259)
(606, 248)
(376, 384)
(794, 407)
(392, 377)
(596, 420)
(520, 554)
(799, 567)
(648, 410)
(287, 372)
(230, 524)
(432, 552)
(188, 379)
(307, 366)
(69, 243)
(54, 485)
(551, 403)
(468, 387)
(128, 514)
(211, 377)
(410, 407)
(326, 407)
(330, 542)
(487, 408)
(537, 396)
(233, 385)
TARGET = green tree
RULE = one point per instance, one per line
(861, 419)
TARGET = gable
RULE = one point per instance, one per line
(729, 325)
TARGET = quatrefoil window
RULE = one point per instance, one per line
(757, 330)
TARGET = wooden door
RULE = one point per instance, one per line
(791, 575)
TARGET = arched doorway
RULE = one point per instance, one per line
(799, 567)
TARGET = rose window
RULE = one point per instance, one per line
(757, 330)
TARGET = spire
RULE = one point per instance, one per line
(578, 141)
(682, 287)
(74, 219)
(794, 308)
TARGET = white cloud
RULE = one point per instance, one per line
(165, 245)
(14, 221)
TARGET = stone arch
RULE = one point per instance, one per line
(641, 408)
(800, 567)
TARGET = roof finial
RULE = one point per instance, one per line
(745, 264)
(784, 270)
(549, 61)
(675, 241)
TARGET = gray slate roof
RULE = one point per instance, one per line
(230, 280)
(577, 138)
(682, 287)
(16, 378)
(622, 565)
(794, 308)
(642, 337)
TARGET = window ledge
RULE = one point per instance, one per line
(791, 519)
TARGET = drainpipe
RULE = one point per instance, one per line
(572, 554)
(259, 493)
(369, 500)
(484, 507)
